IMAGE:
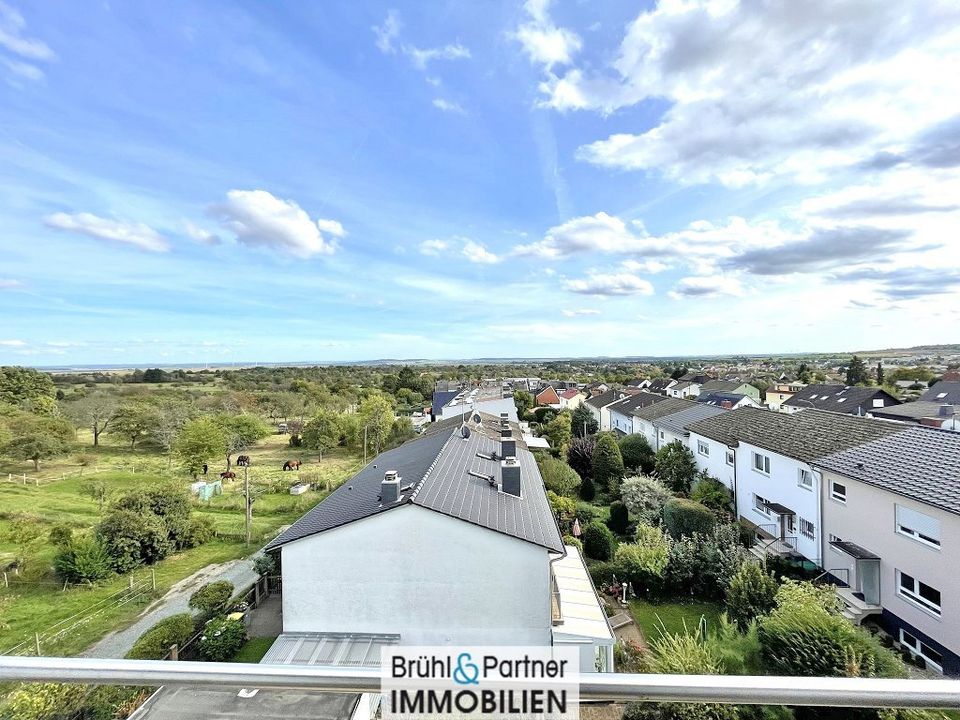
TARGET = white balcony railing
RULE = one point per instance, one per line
(746, 690)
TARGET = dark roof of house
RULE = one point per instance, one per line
(696, 377)
(718, 398)
(445, 472)
(851, 400)
(660, 383)
(804, 436)
(662, 409)
(442, 397)
(604, 399)
(677, 422)
(682, 385)
(634, 402)
(921, 463)
(949, 390)
(720, 386)
(914, 410)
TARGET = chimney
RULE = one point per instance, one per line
(390, 487)
(508, 444)
(505, 432)
(947, 411)
(510, 476)
(726, 404)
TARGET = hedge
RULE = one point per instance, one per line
(686, 517)
(598, 541)
(155, 643)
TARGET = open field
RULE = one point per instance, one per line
(55, 495)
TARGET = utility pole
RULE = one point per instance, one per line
(248, 506)
(365, 443)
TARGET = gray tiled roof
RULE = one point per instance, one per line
(604, 399)
(677, 422)
(437, 468)
(914, 410)
(804, 436)
(634, 402)
(920, 463)
(661, 409)
(718, 398)
(852, 400)
(720, 386)
(952, 390)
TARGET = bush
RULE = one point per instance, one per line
(686, 517)
(61, 535)
(43, 701)
(602, 573)
(637, 453)
(598, 541)
(222, 639)
(571, 540)
(712, 493)
(674, 467)
(645, 497)
(564, 508)
(84, 560)
(587, 491)
(212, 597)
(155, 643)
(704, 565)
(643, 563)
(132, 539)
(752, 593)
(587, 513)
(265, 564)
(200, 530)
(557, 475)
(619, 517)
(607, 464)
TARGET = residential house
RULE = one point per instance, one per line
(673, 427)
(727, 401)
(639, 384)
(775, 486)
(597, 388)
(847, 399)
(457, 520)
(736, 387)
(944, 392)
(598, 405)
(621, 412)
(570, 399)
(684, 389)
(661, 385)
(644, 417)
(923, 412)
(491, 399)
(780, 392)
(548, 397)
(891, 516)
(696, 377)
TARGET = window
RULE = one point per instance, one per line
(841, 400)
(806, 528)
(838, 492)
(918, 647)
(661, 434)
(730, 457)
(878, 402)
(761, 463)
(806, 479)
(791, 524)
(836, 539)
(941, 396)
(703, 448)
(918, 593)
(917, 526)
(760, 505)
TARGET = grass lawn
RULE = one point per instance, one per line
(673, 616)
(253, 650)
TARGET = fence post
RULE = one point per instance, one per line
(256, 593)
(36, 637)
(174, 652)
(131, 582)
(6, 583)
(153, 578)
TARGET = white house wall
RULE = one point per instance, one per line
(621, 422)
(493, 407)
(715, 464)
(433, 579)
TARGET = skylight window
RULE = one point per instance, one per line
(941, 396)
(841, 400)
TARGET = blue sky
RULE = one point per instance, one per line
(210, 182)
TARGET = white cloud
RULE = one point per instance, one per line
(591, 233)
(9, 283)
(195, 232)
(711, 286)
(762, 91)
(581, 312)
(388, 32)
(27, 50)
(477, 253)
(259, 219)
(433, 247)
(122, 231)
(543, 42)
(610, 284)
(448, 106)
(421, 57)
(648, 267)
(13, 343)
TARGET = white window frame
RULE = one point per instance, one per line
(836, 496)
(915, 535)
(804, 474)
(703, 448)
(765, 462)
(832, 539)
(760, 509)
(916, 647)
(813, 529)
(730, 458)
(913, 596)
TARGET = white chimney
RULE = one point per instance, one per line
(390, 487)
(510, 476)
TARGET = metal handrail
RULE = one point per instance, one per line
(739, 689)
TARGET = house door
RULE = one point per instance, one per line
(868, 580)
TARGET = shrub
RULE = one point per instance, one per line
(686, 517)
(42, 701)
(212, 597)
(557, 475)
(752, 593)
(704, 564)
(222, 638)
(587, 491)
(84, 560)
(598, 541)
(132, 539)
(645, 497)
(155, 643)
(201, 529)
(587, 513)
(637, 453)
(619, 517)
(602, 573)
(643, 563)
(571, 540)
(674, 467)
(265, 564)
(607, 464)
(61, 535)
(580, 456)
(712, 493)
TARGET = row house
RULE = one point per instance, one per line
(599, 406)
(644, 418)
(621, 412)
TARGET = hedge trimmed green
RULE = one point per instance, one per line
(155, 643)
(212, 597)
(598, 541)
(686, 517)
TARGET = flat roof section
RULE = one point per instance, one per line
(579, 605)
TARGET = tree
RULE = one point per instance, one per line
(587, 491)
(637, 453)
(199, 441)
(607, 464)
(686, 517)
(557, 431)
(21, 384)
(239, 433)
(94, 411)
(711, 492)
(323, 432)
(580, 456)
(674, 466)
(619, 517)
(524, 402)
(880, 372)
(98, 491)
(752, 593)
(557, 475)
(598, 541)
(133, 539)
(133, 420)
(38, 438)
(172, 416)
(857, 372)
(583, 422)
(155, 375)
(376, 420)
(645, 497)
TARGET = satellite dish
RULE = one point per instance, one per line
(476, 419)
(464, 432)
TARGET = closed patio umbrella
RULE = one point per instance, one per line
(576, 528)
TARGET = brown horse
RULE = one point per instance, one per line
(243, 460)
(228, 475)
(292, 464)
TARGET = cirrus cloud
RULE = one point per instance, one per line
(126, 232)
